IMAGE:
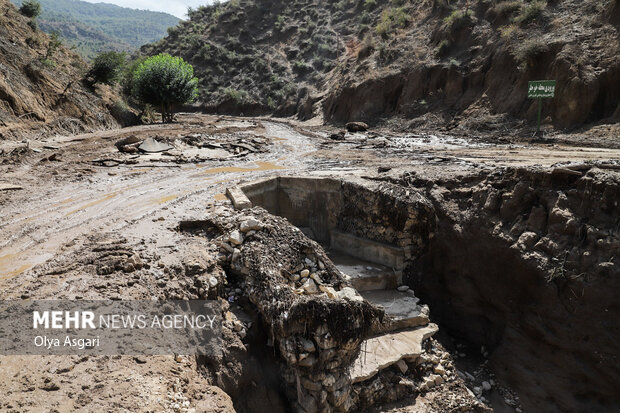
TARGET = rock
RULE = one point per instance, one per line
(314, 276)
(304, 273)
(150, 145)
(310, 287)
(356, 126)
(294, 277)
(331, 293)
(337, 136)
(311, 385)
(329, 380)
(527, 240)
(227, 247)
(486, 386)
(308, 404)
(403, 288)
(402, 366)
(129, 140)
(307, 345)
(306, 360)
(213, 282)
(128, 149)
(439, 369)
(236, 255)
(438, 380)
(350, 294)
(235, 238)
(251, 225)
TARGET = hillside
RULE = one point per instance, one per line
(428, 62)
(92, 28)
(44, 94)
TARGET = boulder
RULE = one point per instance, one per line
(356, 126)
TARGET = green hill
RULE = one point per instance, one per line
(92, 28)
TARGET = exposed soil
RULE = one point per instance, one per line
(41, 93)
(520, 260)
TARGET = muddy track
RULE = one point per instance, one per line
(72, 229)
(48, 216)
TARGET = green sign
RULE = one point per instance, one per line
(541, 89)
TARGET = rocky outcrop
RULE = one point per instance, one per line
(523, 262)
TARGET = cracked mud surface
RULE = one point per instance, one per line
(91, 222)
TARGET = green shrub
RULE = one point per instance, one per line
(30, 8)
(128, 72)
(32, 23)
(527, 51)
(442, 48)
(165, 81)
(52, 46)
(392, 19)
(531, 12)
(107, 68)
(506, 8)
(457, 19)
(370, 4)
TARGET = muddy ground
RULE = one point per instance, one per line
(92, 217)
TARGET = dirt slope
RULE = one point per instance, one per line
(44, 94)
(431, 61)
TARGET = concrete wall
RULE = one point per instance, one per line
(366, 221)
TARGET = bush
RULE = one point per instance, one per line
(529, 50)
(392, 19)
(530, 12)
(127, 76)
(106, 68)
(30, 8)
(165, 81)
(32, 23)
(506, 8)
(457, 19)
(442, 48)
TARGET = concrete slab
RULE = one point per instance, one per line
(383, 351)
(401, 309)
(388, 255)
(238, 198)
(9, 187)
(365, 275)
(151, 145)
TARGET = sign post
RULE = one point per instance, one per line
(539, 89)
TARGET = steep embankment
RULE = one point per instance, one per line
(40, 87)
(433, 62)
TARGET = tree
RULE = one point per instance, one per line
(106, 68)
(165, 81)
(30, 8)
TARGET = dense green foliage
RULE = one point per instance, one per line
(30, 8)
(93, 28)
(165, 81)
(107, 67)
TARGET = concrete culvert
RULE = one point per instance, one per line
(505, 283)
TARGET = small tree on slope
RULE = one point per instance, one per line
(164, 82)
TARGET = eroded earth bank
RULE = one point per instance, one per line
(377, 272)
